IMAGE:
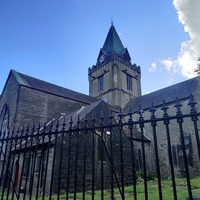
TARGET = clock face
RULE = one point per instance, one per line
(102, 58)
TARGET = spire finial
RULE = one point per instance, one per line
(111, 21)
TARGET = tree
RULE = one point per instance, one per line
(197, 70)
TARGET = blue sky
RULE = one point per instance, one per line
(57, 41)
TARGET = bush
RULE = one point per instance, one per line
(140, 176)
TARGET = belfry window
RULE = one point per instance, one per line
(129, 82)
(100, 83)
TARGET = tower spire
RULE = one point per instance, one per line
(113, 78)
(113, 42)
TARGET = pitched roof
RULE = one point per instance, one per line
(40, 85)
(83, 111)
(75, 116)
(113, 42)
(169, 94)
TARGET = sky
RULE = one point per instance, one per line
(57, 41)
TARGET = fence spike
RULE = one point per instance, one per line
(152, 110)
(22, 129)
(93, 120)
(44, 127)
(17, 132)
(110, 116)
(38, 127)
(192, 104)
(164, 108)
(70, 123)
(33, 128)
(101, 119)
(51, 126)
(178, 106)
(63, 124)
(78, 121)
(140, 111)
(130, 113)
(57, 125)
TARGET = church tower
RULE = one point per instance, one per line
(114, 78)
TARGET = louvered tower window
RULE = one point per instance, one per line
(100, 83)
(129, 82)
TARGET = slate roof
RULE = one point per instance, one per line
(113, 49)
(136, 134)
(40, 85)
(87, 109)
(82, 112)
(169, 94)
(78, 114)
(113, 42)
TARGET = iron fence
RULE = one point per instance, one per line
(97, 157)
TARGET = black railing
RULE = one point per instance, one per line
(99, 158)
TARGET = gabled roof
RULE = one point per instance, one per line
(113, 42)
(83, 111)
(169, 94)
(40, 85)
(74, 116)
(57, 124)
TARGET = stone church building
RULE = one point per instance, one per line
(113, 79)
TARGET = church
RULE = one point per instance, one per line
(114, 84)
(114, 79)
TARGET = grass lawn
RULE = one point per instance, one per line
(167, 191)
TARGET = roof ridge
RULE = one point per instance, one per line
(52, 88)
(18, 77)
(182, 90)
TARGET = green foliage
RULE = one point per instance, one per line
(140, 176)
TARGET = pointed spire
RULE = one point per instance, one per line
(113, 42)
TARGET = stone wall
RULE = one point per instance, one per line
(115, 90)
(77, 155)
(9, 97)
(36, 106)
(188, 130)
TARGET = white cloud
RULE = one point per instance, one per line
(186, 61)
(168, 63)
(153, 67)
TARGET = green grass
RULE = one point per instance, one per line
(167, 191)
